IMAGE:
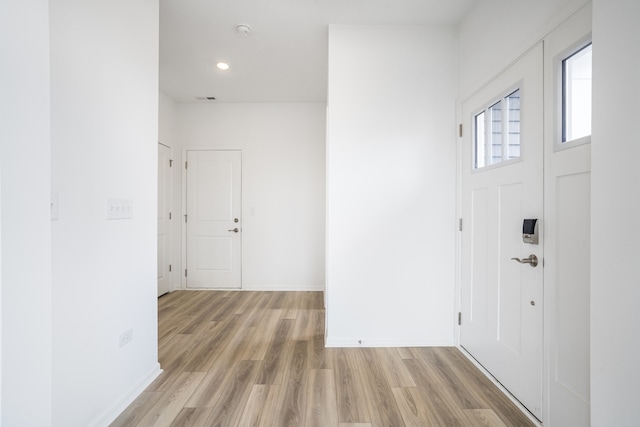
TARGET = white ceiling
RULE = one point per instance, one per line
(284, 59)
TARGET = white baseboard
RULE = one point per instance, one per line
(107, 417)
(284, 288)
(261, 288)
(376, 342)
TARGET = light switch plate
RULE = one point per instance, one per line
(119, 209)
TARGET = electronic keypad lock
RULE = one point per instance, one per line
(530, 231)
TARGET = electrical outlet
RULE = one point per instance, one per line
(125, 337)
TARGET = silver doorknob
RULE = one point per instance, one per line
(532, 260)
(235, 230)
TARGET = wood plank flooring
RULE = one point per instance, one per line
(258, 359)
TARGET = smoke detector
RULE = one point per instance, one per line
(243, 29)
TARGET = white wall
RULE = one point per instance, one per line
(26, 189)
(615, 273)
(282, 185)
(496, 32)
(104, 103)
(391, 185)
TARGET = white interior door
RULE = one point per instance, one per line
(164, 216)
(501, 299)
(213, 221)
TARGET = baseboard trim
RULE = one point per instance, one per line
(260, 288)
(354, 342)
(283, 288)
(116, 409)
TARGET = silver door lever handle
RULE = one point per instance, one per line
(532, 260)
(235, 230)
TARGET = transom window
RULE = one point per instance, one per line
(576, 95)
(497, 131)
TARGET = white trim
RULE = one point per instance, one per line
(259, 289)
(108, 416)
(291, 288)
(571, 144)
(493, 166)
(518, 86)
(558, 144)
(458, 261)
(171, 273)
(344, 342)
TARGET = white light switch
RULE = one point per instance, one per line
(119, 209)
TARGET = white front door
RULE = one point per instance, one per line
(213, 219)
(502, 185)
(164, 216)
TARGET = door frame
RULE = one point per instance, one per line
(183, 225)
(170, 204)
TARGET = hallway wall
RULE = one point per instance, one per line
(25, 165)
(283, 186)
(615, 276)
(104, 136)
(391, 185)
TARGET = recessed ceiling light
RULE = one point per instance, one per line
(222, 65)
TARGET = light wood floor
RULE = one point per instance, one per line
(258, 359)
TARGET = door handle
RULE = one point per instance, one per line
(532, 260)
(235, 230)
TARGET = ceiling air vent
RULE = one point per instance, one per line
(206, 98)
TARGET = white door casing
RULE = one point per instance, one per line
(213, 219)
(164, 219)
(502, 300)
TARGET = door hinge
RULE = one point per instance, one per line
(169, 268)
(460, 224)
(185, 272)
(169, 215)
(170, 163)
(459, 318)
(460, 130)
(185, 218)
(186, 165)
